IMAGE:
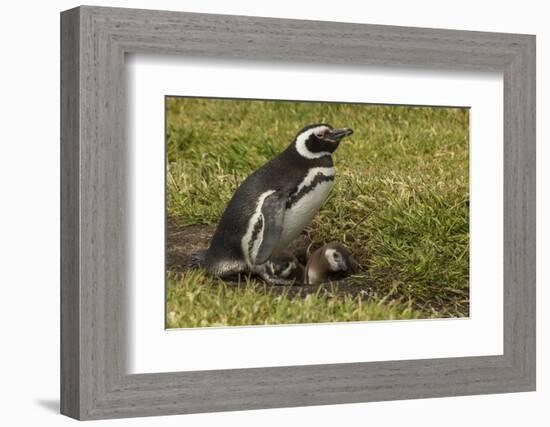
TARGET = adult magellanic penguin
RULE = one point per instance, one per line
(273, 205)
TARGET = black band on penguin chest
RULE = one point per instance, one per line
(296, 196)
(255, 232)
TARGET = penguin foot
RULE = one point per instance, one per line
(266, 273)
(279, 281)
(286, 266)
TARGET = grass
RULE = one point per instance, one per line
(400, 203)
(196, 302)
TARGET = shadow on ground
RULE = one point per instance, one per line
(51, 405)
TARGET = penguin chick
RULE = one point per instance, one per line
(327, 261)
(273, 205)
(287, 267)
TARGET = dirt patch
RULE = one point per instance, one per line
(183, 241)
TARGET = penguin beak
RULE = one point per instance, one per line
(336, 135)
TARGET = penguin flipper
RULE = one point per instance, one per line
(273, 211)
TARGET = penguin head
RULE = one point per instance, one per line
(336, 260)
(332, 261)
(339, 259)
(319, 140)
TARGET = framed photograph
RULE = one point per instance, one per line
(261, 213)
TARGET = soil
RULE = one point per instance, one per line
(183, 241)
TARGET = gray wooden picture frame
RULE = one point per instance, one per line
(94, 382)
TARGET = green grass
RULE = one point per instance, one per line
(196, 302)
(400, 203)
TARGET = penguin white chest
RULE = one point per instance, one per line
(305, 203)
(303, 210)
